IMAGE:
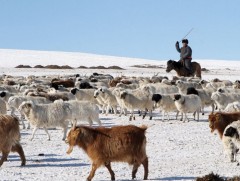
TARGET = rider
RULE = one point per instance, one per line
(185, 54)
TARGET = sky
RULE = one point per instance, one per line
(128, 28)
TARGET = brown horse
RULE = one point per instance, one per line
(182, 71)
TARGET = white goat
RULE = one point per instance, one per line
(188, 104)
(83, 111)
(15, 101)
(141, 101)
(233, 107)
(223, 99)
(116, 92)
(46, 116)
(183, 86)
(160, 88)
(204, 95)
(107, 98)
(84, 95)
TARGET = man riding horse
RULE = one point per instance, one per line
(185, 55)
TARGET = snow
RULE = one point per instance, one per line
(176, 150)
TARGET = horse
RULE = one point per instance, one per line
(182, 71)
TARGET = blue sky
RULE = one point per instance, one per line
(130, 28)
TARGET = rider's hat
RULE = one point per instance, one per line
(185, 41)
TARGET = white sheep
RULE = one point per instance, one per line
(188, 104)
(46, 116)
(165, 103)
(231, 141)
(223, 99)
(15, 101)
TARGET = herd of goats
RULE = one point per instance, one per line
(54, 101)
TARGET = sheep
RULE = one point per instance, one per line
(219, 121)
(10, 138)
(46, 116)
(15, 101)
(83, 111)
(223, 99)
(231, 141)
(106, 145)
(204, 95)
(166, 104)
(188, 103)
(140, 101)
(107, 98)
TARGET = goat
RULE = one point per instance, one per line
(106, 145)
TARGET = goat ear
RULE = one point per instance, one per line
(74, 126)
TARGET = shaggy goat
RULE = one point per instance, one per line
(107, 98)
(140, 100)
(233, 107)
(106, 145)
(83, 111)
(15, 101)
(46, 115)
(223, 99)
(10, 138)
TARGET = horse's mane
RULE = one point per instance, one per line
(176, 64)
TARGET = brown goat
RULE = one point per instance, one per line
(10, 137)
(106, 145)
(220, 120)
(64, 83)
(115, 81)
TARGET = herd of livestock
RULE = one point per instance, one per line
(50, 101)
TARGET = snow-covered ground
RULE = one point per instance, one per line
(176, 150)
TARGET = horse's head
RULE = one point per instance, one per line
(170, 65)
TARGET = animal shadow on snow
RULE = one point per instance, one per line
(175, 178)
(52, 160)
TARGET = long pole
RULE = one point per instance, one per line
(187, 34)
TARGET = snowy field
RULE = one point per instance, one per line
(176, 150)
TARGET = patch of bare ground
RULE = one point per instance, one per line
(23, 66)
(148, 66)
